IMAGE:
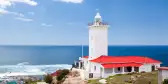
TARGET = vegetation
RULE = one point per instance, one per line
(62, 74)
(48, 78)
(131, 78)
(29, 81)
(165, 81)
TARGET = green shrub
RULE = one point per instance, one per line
(130, 73)
(165, 81)
(118, 74)
(62, 74)
(48, 78)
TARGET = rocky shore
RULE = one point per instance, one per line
(74, 77)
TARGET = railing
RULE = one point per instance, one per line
(100, 23)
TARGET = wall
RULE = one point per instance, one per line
(97, 72)
(162, 74)
(148, 67)
(108, 72)
(98, 41)
(159, 76)
(85, 60)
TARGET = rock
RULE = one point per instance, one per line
(102, 81)
(74, 80)
(138, 76)
(133, 78)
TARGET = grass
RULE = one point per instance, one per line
(144, 78)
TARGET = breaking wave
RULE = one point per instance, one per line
(25, 67)
(23, 63)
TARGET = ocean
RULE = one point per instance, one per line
(56, 55)
(46, 55)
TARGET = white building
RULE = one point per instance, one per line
(162, 74)
(99, 64)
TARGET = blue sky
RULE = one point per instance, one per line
(64, 22)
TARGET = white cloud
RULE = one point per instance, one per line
(17, 14)
(5, 3)
(24, 19)
(31, 13)
(46, 25)
(70, 1)
(8, 3)
(3, 11)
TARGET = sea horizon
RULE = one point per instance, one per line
(56, 54)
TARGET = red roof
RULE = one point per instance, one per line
(115, 65)
(124, 59)
(163, 68)
(86, 57)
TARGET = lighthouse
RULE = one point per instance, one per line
(98, 64)
(98, 38)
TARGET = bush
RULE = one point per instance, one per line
(130, 73)
(62, 74)
(48, 78)
(165, 81)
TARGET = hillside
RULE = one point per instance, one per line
(132, 78)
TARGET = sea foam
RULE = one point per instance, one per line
(26, 68)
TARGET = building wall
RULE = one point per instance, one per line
(159, 76)
(96, 72)
(162, 74)
(118, 71)
(148, 67)
(108, 72)
(85, 61)
(98, 41)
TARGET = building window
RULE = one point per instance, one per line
(119, 69)
(95, 68)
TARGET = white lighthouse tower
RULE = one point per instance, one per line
(98, 38)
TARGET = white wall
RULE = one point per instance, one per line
(97, 72)
(98, 41)
(157, 65)
(148, 67)
(108, 72)
(117, 71)
(92, 65)
(85, 61)
(162, 74)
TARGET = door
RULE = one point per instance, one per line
(153, 67)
